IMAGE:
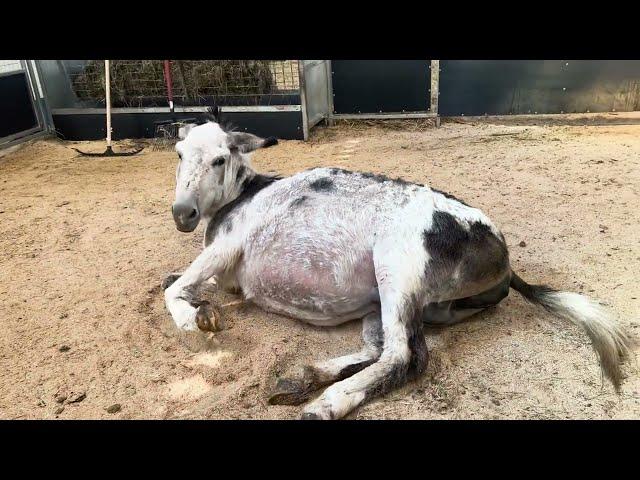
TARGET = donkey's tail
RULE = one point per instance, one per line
(607, 337)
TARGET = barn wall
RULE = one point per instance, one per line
(503, 87)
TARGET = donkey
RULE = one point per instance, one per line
(328, 245)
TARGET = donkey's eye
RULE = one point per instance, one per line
(218, 161)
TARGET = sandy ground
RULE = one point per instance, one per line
(85, 242)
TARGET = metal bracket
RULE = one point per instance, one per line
(435, 89)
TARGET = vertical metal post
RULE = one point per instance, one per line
(329, 91)
(44, 99)
(107, 92)
(303, 100)
(33, 90)
(45, 120)
(435, 89)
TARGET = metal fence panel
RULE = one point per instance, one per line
(316, 90)
(502, 87)
(21, 115)
(141, 83)
(381, 86)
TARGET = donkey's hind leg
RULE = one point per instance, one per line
(455, 311)
(297, 388)
(404, 351)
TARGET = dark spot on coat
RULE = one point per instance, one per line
(298, 201)
(382, 178)
(223, 217)
(448, 195)
(322, 184)
(374, 176)
(446, 240)
(335, 171)
(477, 250)
(400, 371)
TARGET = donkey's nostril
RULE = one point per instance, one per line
(193, 214)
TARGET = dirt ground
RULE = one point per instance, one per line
(85, 243)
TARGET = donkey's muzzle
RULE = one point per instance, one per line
(186, 216)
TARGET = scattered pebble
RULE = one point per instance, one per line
(76, 397)
(64, 348)
(59, 410)
(495, 401)
(63, 204)
(115, 408)
(523, 243)
(60, 397)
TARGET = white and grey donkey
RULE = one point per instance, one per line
(329, 245)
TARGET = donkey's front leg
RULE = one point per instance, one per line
(180, 298)
(169, 279)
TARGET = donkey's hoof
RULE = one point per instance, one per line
(169, 280)
(291, 391)
(310, 416)
(208, 318)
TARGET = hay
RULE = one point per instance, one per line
(133, 81)
(409, 124)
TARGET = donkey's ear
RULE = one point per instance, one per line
(184, 130)
(247, 142)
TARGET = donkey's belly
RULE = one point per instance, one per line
(316, 292)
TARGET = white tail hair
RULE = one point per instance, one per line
(609, 340)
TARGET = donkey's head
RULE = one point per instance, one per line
(213, 163)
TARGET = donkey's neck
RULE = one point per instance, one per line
(238, 172)
(235, 185)
(251, 184)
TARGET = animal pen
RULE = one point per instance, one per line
(87, 243)
(287, 98)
